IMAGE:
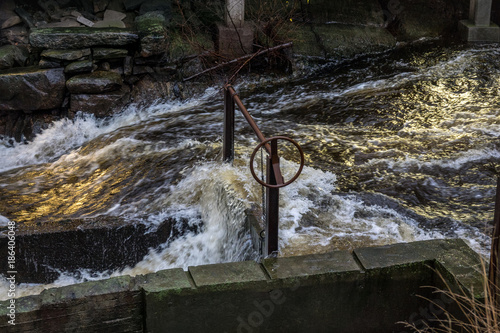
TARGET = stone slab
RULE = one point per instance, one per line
(108, 305)
(74, 38)
(314, 264)
(453, 254)
(68, 55)
(227, 274)
(472, 33)
(108, 53)
(164, 281)
(79, 67)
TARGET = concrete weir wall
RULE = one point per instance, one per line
(368, 290)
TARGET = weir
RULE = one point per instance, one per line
(369, 290)
(407, 131)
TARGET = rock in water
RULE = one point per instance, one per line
(31, 88)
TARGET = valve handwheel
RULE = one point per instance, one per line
(260, 145)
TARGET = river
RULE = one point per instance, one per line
(400, 146)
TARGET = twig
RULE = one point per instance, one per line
(248, 56)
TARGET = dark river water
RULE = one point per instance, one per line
(399, 146)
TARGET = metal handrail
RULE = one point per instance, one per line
(274, 176)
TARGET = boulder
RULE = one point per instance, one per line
(94, 83)
(77, 67)
(31, 88)
(101, 105)
(11, 55)
(75, 38)
(153, 33)
(107, 53)
(67, 55)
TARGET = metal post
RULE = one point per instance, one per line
(494, 274)
(272, 202)
(228, 145)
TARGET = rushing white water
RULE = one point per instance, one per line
(391, 157)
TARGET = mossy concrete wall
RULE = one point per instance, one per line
(368, 290)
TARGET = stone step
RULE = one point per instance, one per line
(81, 37)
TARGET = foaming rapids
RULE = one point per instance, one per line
(396, 151)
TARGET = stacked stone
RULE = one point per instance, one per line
(58, 62)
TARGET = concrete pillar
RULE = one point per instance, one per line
(478, 28)
(235, 13)
(236, 36)
(480, 12)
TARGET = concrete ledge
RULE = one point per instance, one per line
(369, 290)
(453, 254)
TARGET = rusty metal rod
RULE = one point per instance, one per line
(248, 117)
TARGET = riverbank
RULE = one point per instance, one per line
(96, 58)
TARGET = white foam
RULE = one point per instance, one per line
(65, 135)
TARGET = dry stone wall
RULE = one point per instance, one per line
(58, 58)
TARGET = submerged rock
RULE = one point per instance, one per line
(94, 83)
(31, 88)
(74, 38)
